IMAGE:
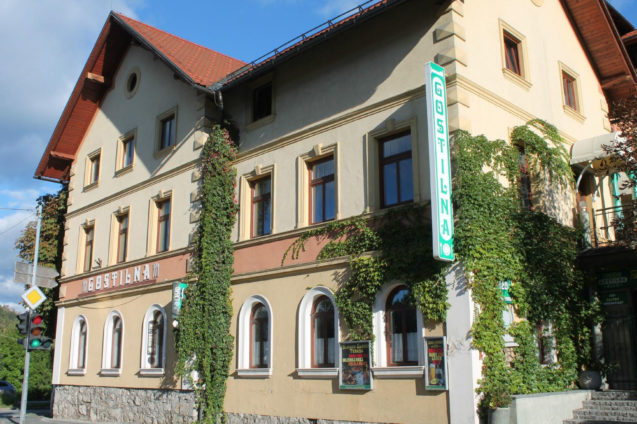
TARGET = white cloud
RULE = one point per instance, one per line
(10, 291)
(45, 43)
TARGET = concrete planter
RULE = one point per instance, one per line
(499, 416)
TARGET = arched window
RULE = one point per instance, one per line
(116, 352)
(318, 335)
(259, 338)
(254, 338)
(402, 328)
(79, 340)
(113, 342)
(323, 342)
(399, 349)
(154, 341)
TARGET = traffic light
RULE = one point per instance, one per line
(23, 327)
(37, 340)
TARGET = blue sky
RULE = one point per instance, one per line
(45, 44)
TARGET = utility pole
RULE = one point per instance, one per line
(27, 353)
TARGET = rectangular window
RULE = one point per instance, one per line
(94, 169)
(568, 83)
(167, 136)
(261, 207)
(512, 53)
(396, 179)
(163, 225)
(262, 101)
(322, 196)
(122, 238)
(89, 234)
(128, 152)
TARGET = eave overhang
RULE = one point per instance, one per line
(596, 30)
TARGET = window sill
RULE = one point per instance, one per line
(164, 152)
(124, 170)
(573, 113)
(317, 372)
(255, 372)
(111, 372)
(415, 371)
(151, 372)
(518, 79)
(260, 123)
(76, 371)
(91, 186)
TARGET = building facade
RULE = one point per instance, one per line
(330, 128)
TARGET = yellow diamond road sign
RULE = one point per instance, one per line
(33, 297)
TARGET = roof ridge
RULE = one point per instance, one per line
(128, 18)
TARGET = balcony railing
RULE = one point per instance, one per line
(615, 225)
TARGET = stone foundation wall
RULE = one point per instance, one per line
(236, 418)
(118, 405)
(146, 406)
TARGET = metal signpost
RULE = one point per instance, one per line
(439, 163)
(36, 300)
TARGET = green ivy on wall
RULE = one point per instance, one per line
(396, 246)
(204, 342)
(499, 240)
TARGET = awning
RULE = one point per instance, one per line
(590, 149)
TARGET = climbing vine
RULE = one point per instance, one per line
(498, 240)
(204, 342)
(396, 246)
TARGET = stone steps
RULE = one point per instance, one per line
(610, 407)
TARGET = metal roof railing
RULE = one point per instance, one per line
(298, 40)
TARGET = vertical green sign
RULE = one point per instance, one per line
(439, 163)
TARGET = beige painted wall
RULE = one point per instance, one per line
(132, 309)
(286, 394)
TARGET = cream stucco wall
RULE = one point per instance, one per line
(285, 393)
(152, 172)
(132, 309)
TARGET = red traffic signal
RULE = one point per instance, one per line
(36, 339)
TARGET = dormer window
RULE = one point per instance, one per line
(262, 101)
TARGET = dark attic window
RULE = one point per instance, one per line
(262, 101)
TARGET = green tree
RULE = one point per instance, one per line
(51, 245)
(12, 360)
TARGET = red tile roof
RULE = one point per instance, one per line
(202, 65)
(198, 65)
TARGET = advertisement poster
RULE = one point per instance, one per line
(179, 292)
(436, 364)
(356, 367)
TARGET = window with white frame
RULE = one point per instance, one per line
(154, 341)
(113, 342)
(79, 346)
(255, 338)
(399, 331)
(318, 334)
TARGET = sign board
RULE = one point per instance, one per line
(439, 163)
(45, 276)
(179, 292)
(614, 298)
(33, 297)
(612, 280)
(505, 286)
(436, 363)
(356, 368)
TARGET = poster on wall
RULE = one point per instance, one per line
(436, 363)
(179, 293)
(356, 369)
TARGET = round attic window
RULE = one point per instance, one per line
(132, 82)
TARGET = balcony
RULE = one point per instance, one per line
(611, 226)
